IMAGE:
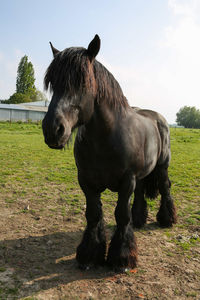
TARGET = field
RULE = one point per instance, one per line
(42, 221)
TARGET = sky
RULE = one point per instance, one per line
(152, 47)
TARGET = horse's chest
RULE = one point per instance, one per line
(103, 166)
(100, 156)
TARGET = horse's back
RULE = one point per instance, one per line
(152, 115)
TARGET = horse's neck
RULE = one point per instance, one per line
(105, 117)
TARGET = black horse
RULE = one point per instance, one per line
(117, 147)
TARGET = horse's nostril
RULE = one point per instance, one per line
(61, 130)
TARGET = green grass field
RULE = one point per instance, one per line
(31, 171)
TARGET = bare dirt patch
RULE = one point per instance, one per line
(37, 259)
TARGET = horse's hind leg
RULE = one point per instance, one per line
(166, 215)
(122, 252)
(139, 208)
(92, 249)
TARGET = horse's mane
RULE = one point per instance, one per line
(108, 88)
(70, 73)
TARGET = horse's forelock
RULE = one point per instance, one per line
(68, 72)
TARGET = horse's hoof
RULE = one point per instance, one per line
(83, 267)
(138, 224)
(121, 269)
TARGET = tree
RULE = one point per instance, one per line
(39, 96)
(25, 83)
(18, 98)
(188, 117)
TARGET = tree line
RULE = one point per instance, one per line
(189, 117)
(26, 90)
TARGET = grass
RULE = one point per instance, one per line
(31, 171)
(28, 167)
(184, 173)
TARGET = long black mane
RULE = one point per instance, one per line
(70, 73)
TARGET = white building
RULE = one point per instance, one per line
(31, 111)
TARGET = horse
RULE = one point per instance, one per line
(124, 149)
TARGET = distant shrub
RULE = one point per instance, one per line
(18, 98)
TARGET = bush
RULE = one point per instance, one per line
(18, 98)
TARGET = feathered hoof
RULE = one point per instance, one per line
(167, 217)
(122, 253)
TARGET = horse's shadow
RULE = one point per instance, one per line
(39, 263)
(151, 226)
(43, 262)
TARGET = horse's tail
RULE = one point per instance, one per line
(151, 189)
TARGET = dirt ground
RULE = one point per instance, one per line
(37, 260)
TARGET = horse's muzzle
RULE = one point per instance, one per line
(56, 147)
(56, 133)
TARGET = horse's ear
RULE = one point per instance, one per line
(94, 47)
(54, 50)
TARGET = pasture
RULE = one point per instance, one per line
(42, 220)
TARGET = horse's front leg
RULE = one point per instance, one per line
(92, 249)
(122, 252)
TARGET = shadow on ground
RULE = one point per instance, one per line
(42, 262)
(39, 263)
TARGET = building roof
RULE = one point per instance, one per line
(43, 103)
(23, 107)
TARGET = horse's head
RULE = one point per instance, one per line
(71, 79)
